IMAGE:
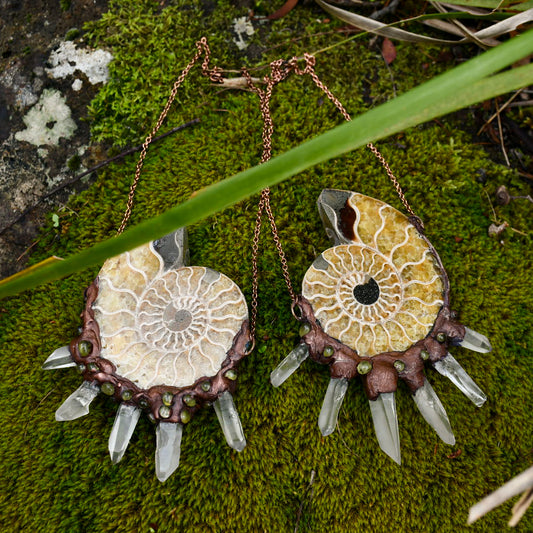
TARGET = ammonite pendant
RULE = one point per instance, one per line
(376, 305)
(161, 337)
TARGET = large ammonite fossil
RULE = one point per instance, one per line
(376, 305)
(162, 337)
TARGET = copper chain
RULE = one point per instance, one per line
(280, 70)
(213, 74)
(370, 146)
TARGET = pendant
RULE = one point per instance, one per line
(161, 337)
(376, 305)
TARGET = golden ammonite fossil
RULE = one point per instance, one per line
(162, 337)
(376, 305)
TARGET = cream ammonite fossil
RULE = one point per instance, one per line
(377, 305)
(163, 337)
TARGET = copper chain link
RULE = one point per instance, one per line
(279, 71)
(214, 75)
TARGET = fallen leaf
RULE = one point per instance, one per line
(388, 51)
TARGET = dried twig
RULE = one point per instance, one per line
(497, 227)
(500, 131)
(495, 115)
(463, 30)
(387, 10)
(523, 483)
(91, 170)
(237, 83)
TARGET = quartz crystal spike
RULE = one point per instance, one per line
(383, 410)
(77, 404)
(450, 368)
(327, 420)
(431, 408)
(123, 427)
(60, 358)
(475, 341)
(230, 422)
(289, 365)
(168, 447)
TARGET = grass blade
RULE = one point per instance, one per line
(460, 87)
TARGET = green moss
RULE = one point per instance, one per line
(64, 469)
(74, 163)
(65, 4)
(72, 33)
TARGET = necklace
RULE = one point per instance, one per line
(159, 336)
(375, 305)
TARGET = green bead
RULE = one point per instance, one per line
(441, 337)
(127, 395)
(231, 374)
(364, 367)
(206, 386)
(328, 351)
(167, 398)
(81, 368)
(185, 416)
(93, 367)
(305, 328)
(85, 348)
(165, 411)
(143, 402)
(189, 400)
(424, 354)
(108, 388)
(399, 365)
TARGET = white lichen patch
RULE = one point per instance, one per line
(243, 28)
(48, 121)
(77, 85)
(68, 59)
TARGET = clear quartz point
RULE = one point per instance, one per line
(168, 448)
(77, 404)
(327, 420)
(450, 368)
(289, 365)
(60, 358)
(385, 420)
(123, 427)
(230, 422)
(475, 341)
(431, 408)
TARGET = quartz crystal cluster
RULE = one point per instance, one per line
(376, 305)
(163, 337)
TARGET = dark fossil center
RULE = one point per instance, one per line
(177, 319)
(367, 293)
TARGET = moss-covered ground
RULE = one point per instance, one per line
(57, 477)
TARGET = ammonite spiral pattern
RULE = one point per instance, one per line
(165, 327)
(381, 292)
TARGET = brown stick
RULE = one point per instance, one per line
(93, 169)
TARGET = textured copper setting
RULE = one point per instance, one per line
(383, 377)
(185, 402)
